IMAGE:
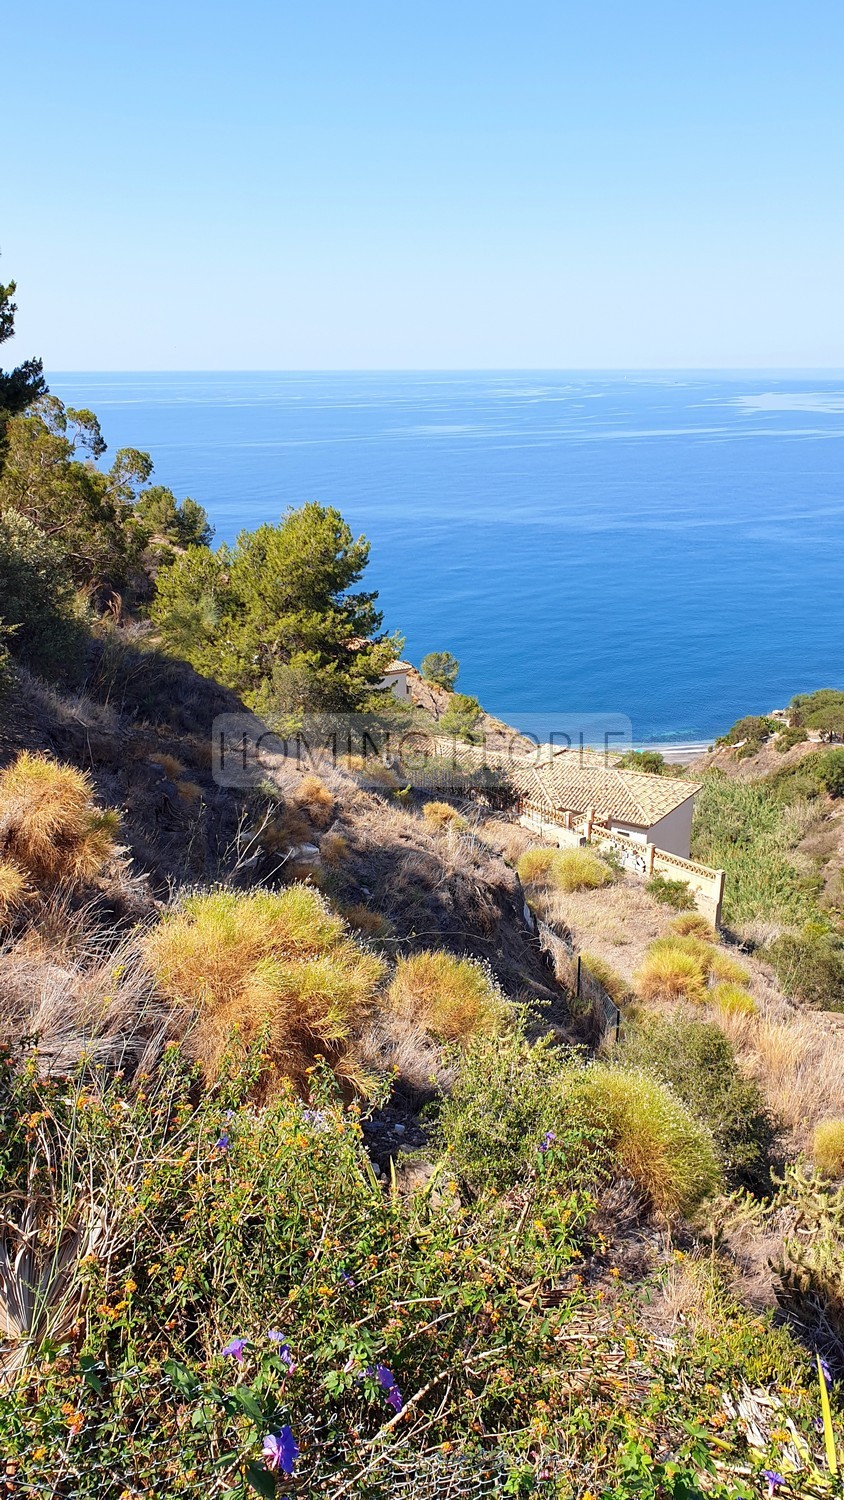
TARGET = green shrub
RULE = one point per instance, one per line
(788, 738)
(441, 668)
(823, 710)
(810, 966)
(832, 773)
(462, 716)
(696, 1060)
(674, 893)
(747, 829)
(655, 1139)
(754, 728)
(650, 761)
(507, 1097)
(169, 1225)
(42, 626)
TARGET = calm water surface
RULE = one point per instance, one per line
(666, 546)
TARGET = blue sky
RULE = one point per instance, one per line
(425, 185)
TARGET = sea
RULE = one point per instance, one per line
(663, 546)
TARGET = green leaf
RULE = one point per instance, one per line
(245, 1398)
(88, 1366)
(261, 1481)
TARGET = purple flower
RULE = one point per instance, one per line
(315, 1117)
(825, 1370)
(774, 1481)
(388, 1384)
(234, 1349)
(283, 1349)
(547, 1141)
(347, 1280)
(224, 1142)
(280, 1451)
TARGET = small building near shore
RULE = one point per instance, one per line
(650, 809)
(397, 679)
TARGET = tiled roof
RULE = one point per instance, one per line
(626, 796)
(573, 781)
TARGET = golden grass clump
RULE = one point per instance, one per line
(51, 829)
(372, 771)
(614, 983)
(442, 816)
(828, 1147)
(189, 791)
(580, 870)
(668, 973)
(280, 962)
(668, 1154)
(366, 921)
(692, 924)
(287, 826)
(732, 999)
(170, 765)
(13, 888)
(334, 848)
(452, 998)
(315, 800)
(535, 865)
(702, 953)
(726, 968)
(566, 869)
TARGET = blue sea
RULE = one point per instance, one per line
(667, 546)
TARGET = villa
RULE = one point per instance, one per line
(650, 809)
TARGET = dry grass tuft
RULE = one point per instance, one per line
(828, 1148)
(442, 816)
(315, 800)
(279, 962)
(452, 998)
(287, 827)
(733, 999)
(334, 848)
(371, 771)
(657, 1142)
(189, 791)
(667, 973)
(692, 924)
(13, 889)
(614, 983)
(49, 826)
(726, 968)
(580, 870)
(170, 765)
(565, 869)
(535, 865)
(366, 921)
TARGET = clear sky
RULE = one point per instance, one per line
(425, 183)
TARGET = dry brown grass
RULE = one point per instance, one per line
(279, 963)
(441, 816)
(452, 998)
(315, 800)
(170, 765)
(13, 889)
(334, 848)
(366, 921)
(49, 826)
(692, 924)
